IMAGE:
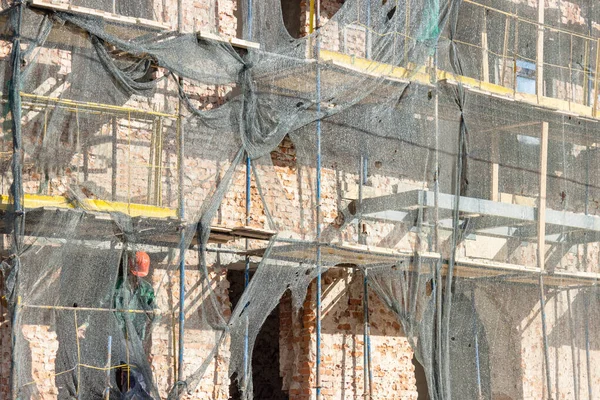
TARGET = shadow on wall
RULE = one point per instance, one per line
(343, 319)
(574, 310)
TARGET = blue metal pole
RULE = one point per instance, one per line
(181, 246)
(367, 339)
(318, 198)
(368, 41)
(249, 32)
(361, 180)
(475, 336)
(108, 369)
(249, 20)
(17, 186)
(247, 266)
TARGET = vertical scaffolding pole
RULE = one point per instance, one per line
(316, 5)
(181, 212)
(587, 345)
(436, 230)
(574, 352)
(181, 243)
(368, 41)
(114, 164)
(247, 265)
(542, 245)
(249, 20)
(180, 16)
(249, 32)
(17, 186)
(367, 339)
(539, 59)
(476, 338)
(108, 369)
(361, 180)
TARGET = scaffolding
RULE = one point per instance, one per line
(502, 159)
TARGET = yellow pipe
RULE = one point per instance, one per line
(595, 103)
(414, 73)
(529, 21)
(311, 22)
(32, 201)
(99, 106)
(63, 308)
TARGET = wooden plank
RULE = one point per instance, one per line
(252, 233)
(495, 172)
(107, 16)
(235, 42)
(346, 255)
(509, 127)
(485, 63)
(542, 195)
(494, 182)
(539, 80)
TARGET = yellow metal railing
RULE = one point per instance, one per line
(32, 201)
(576, 82)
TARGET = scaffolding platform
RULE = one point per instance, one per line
(101, 220)
(486, 217)
(349, 255)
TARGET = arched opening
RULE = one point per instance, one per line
(266, 380)
(421, 380)
(291, 12)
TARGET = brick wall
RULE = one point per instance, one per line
(200, 338)
(342, 344)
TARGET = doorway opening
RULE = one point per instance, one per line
(421, 377)
(266, 379)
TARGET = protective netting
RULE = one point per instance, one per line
(443, 149)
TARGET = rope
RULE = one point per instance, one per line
(93, 367)
(154, 311)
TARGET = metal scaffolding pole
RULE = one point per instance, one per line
(368, 371)
(181, 214)
(247, 267)
(182, 246)
(17, 186)
(545, 337)
(317, 7)
(248, 209)
(587, 345)
(476, 338)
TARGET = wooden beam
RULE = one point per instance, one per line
(107, 16)
(509, 127)
(346, 255)
(540, 50)
(235, 42)
(495, 169)
(542, 195)
(485, 64)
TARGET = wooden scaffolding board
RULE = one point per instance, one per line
(105, 15)
(353, 255)
(101, 220)
(498, 214)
